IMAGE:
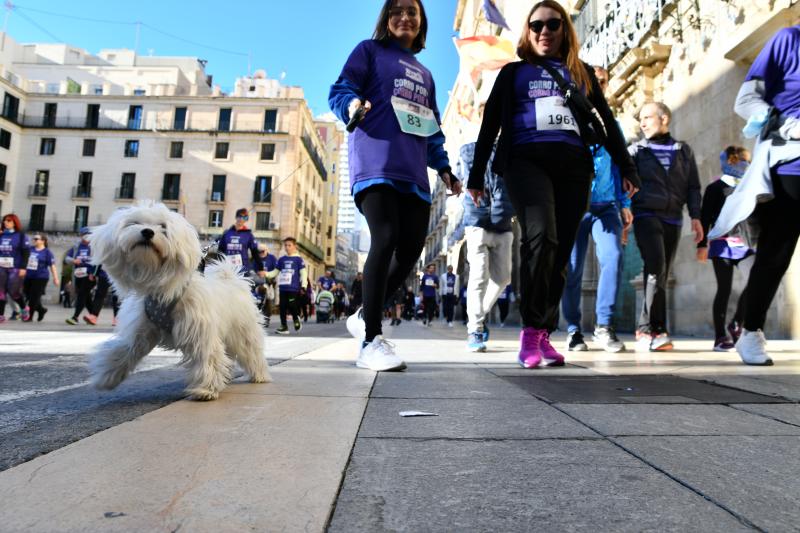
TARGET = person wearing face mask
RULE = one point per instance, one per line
(238, 242)
(669, 181)
(391, 147)
(545, 163)
(14, 252)
(728, 251)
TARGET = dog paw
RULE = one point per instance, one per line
(203, 395)
(261, 378)
(108, 379)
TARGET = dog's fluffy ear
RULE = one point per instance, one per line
(183, 237)
(102, 237)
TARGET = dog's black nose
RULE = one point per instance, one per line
(147, 233)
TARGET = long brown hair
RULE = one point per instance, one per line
(15, 220)
(569, 50)
(382, 34)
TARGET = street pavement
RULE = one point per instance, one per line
(688, 440)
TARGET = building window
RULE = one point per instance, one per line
(40, 183)
(2, 179)
(135, 117)
(10, 107)
(268, 152)
(126, 189)
(221, 151)
(81, 217)
(131, 148)
(49, 118)
(52, 88)
(139, 92)
(270, 120)
(224, 123)
(172, 187)
(98, 90)
(215, 219)
(92, 115)
(37, 217)
(89, 146)
(84, 188)
(179, 122)
(218, 187)
(262, 193)
(262, 220)
(47, 146)
(5, 138)
(176, 149)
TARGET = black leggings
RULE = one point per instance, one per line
(398, 225)
(549, 185)
(430, 307)
(100, 293)
(657, 242)
(34, 290)
(83, 295)
(780, 229)
(289, 303)
(723, 270)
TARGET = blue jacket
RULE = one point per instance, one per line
(495, 212)
(607, 183)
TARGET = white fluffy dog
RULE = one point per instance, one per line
(151, 255)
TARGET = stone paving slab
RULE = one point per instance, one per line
(617, 419)
(445, 485)
(767, 384)
(469, 419)
(789, 413)
(338, 379)
(756, 477)
(431, 381)
(246, 462)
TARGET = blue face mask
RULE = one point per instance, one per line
(736, 170)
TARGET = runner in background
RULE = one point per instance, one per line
(41, 265)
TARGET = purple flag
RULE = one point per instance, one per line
(493, 14)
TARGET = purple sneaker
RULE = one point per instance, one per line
(735, 329)
(530, 354)
(549, 354)
(724, 344)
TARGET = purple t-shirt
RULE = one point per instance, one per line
(327, 283)
(237, 245)
(11, 246)
(539, 112)
(289, 276)
(428, 284)
(778, 64)
(39, 263)
(378, 148)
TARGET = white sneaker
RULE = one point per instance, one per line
(355, 325)
(379, 356)
(752, 348)
(449, 324)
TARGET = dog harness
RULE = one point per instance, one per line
(160, 313)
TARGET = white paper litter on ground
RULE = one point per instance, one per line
(416, 413)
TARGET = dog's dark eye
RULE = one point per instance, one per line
(164, 226)
(131, 224)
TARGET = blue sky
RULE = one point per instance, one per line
(309, 40)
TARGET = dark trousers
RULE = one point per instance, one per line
(657, 242)
(464, 312)
(449, 304)
(100, 293)
(723, 271)
(430, 307)
(549, 186)
(398, 224)
(34, 290)
(503, 306)
(780, 229)
(290, 303)
(83, 295)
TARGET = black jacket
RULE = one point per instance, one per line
(499, 112)
(665, 193)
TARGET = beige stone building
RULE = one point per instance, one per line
(82, 135)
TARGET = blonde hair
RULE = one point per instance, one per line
(568, 52)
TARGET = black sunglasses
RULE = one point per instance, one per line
(537, 26)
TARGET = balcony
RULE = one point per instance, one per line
(310, 247)
(315, 157)
(123, 194)
(81, 193)
(37, 191)
(262, 197)
(217, 197)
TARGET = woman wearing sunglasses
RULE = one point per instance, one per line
(546, 166)
(14, 251)
(390, 150)
(41, 264)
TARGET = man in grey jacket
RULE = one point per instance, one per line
(670, 180)
(489, 241)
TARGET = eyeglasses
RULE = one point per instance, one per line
(398, 12)
(537, 26)
(243, 217)
(36, 238)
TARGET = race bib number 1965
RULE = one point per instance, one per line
(552, 113)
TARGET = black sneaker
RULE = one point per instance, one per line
(606, 337)
(575, 342)
(283, 330)
(298, 325)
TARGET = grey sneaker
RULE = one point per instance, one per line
(575, 342)
(606, 337)
(379, 356)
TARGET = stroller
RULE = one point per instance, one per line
(325, 301)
